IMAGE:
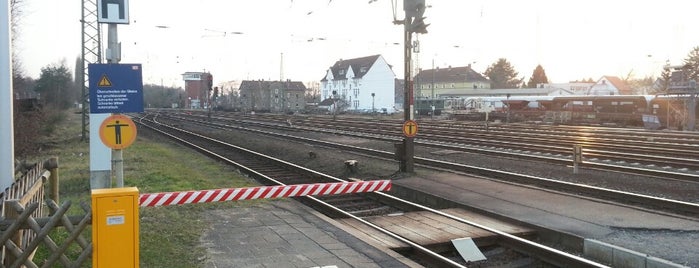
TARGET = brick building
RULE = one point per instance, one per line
(196, 87)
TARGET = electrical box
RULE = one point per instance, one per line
(115, 227)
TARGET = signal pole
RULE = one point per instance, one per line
(407, 163)
(414, 22)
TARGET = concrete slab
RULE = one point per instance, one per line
(285, 233)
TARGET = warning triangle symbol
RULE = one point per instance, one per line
(104, 81)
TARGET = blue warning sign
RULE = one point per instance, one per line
(115, 88)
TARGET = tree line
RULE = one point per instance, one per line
(503, 75)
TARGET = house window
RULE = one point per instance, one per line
(342, 72)
(362, 69)
(356, 92)
(452, 85)
(356, 104)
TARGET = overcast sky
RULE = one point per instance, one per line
(300, 39)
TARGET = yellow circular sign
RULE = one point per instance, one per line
(410, 128)
(118, 131)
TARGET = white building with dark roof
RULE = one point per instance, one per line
(361, 84)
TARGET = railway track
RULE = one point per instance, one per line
(639, 200)
(621, 158)
(373, 210)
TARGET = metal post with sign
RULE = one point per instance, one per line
(116, 88)
(118, 132)
(111, 12)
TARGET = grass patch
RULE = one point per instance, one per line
(169, 236)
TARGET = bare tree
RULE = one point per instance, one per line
(16, 7)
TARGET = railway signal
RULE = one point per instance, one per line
(414, 16)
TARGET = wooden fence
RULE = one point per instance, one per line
(25, 225)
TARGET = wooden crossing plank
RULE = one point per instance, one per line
(407, 227)
(426, 228)
(381, 238)
(489, 221)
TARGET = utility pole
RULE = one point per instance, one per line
(414, 22)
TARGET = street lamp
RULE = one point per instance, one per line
(372, 103)
(334, 104)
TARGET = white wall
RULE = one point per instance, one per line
(379, 80)
(603, 88)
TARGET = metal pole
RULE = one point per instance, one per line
(668, 112)
(433, 71)
(334, 104)
(508, 108)
(7, 154)
(117, 154)
(407, 163)
(692, 109)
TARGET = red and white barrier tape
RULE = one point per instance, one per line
(231, 194)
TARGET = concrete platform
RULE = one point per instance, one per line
(285, 233)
